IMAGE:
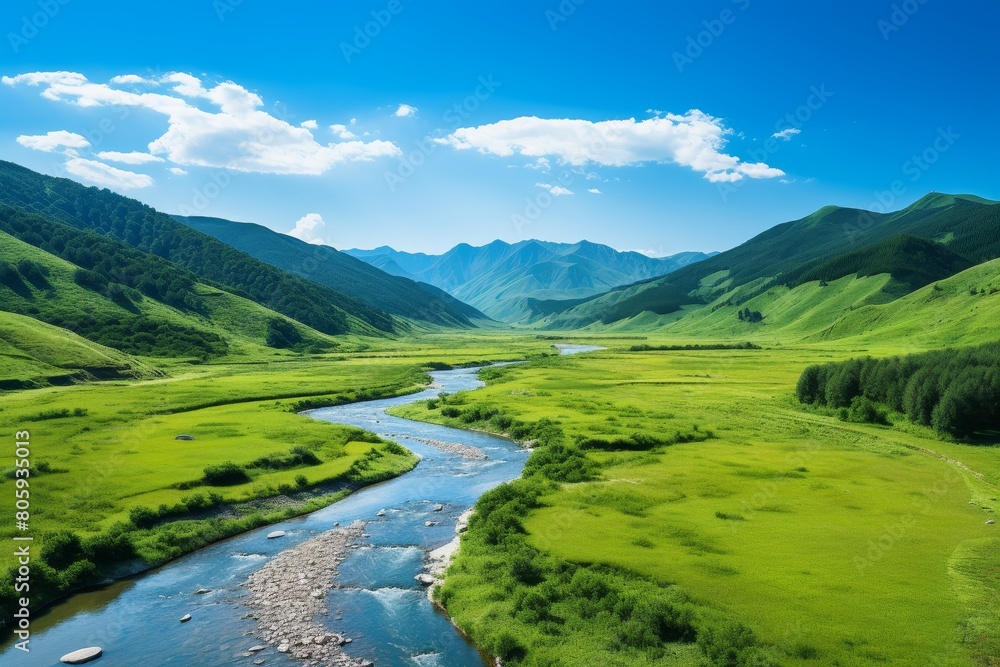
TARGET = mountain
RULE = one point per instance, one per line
(379, 289)
(213, 262)
(86, 286)
(826, 242)
(506, 281)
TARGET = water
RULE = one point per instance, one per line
(377, 603)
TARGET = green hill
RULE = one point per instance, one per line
(35, 354)
(968, 226)
(214, 262)
(144, 315)
(325, 265)
(913, 262)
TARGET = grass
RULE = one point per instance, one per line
(105, 449)
(835, 542)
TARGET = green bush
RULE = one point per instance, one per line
(225, 474)
(61, 549)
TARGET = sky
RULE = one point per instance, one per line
(650, 126)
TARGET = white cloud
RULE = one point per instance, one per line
(310, 124)
(53, 141)
(125, 79)
(556, 190)
(787, 181)
(693, 140)
(177, 171)
(106, 175)
(787, 134)
(309, 228)
(134, 157)
(594, 191)
(342, 131)
(405, 111)
(237, 136)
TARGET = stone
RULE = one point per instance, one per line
(283, 648)
(82, 655)
(380, 513)
(202, 591)
(990, 522)
(185, 618)
(438, 508)
(275, 534)
(424, 579)
(430, 523)
(256, 649)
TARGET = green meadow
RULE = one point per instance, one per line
(836, 543)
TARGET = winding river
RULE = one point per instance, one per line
(376, 601)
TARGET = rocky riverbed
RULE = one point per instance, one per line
(465, 451)
(288, 594)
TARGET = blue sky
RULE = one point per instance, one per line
(641, 125)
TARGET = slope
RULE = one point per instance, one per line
(181, 319)
(34, 354)
(507, 280)
(327, 266)
(146, 229)
(969, 226)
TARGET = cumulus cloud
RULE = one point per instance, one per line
(594, 191)
(787, 134)
(235, 134)
(106, 175)
(342, 131)
(405, 111)
(310, 124)
(134, 157)
(693, 140)
(177, 171)
(555, 190)
(53, 141)
(309, 228)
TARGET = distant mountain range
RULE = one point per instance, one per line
(507, 281)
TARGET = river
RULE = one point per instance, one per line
(376, 600)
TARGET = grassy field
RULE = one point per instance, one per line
(103, 451)
(837, 543)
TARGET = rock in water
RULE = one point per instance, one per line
(424, 579)
(275, 534)
(438, 508)
(202, 591)
(256, 649)
(380, 513)
(82, 655)
(185, 618)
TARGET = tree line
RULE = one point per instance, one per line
(954, 391)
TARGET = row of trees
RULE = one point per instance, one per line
(956, 391)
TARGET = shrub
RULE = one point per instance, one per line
(865, 411)
(225, 474)
(61, 549)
